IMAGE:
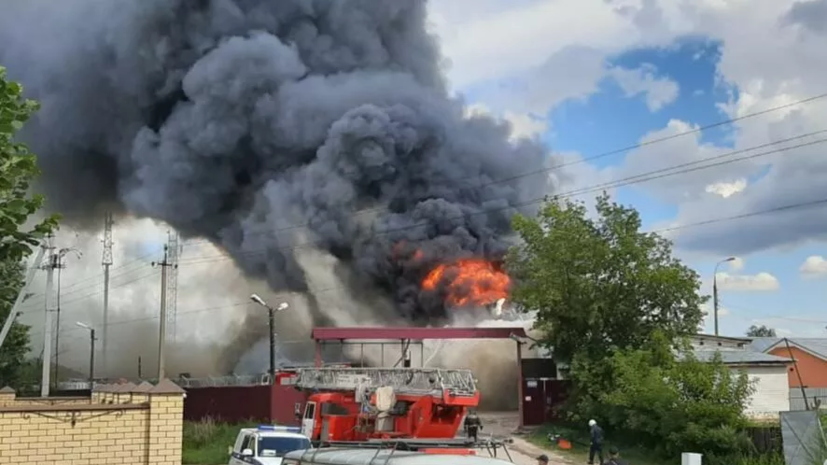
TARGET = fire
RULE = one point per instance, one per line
(469, 282)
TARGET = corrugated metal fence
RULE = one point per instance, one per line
(797, 397)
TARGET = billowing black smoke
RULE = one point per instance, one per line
(270, 126)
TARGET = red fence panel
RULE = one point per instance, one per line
(236, 404)
(232, 404)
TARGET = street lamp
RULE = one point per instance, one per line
(91, 352)
(272, 317)
(715, 290)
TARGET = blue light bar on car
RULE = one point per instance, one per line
(283, 429)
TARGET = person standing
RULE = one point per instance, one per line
(472, 425)
(596, 446)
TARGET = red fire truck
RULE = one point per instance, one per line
(362, 404)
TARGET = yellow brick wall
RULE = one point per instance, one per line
(140, 429)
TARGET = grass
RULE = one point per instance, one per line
(633, 455)
(580, 446)
(206, 441)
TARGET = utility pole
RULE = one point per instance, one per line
(162, 333)
(172, 285)
(49, 266)
(56, 263)
(60, 267)
(107, 263)
(715, 290)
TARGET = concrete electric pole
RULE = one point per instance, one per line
(54, 262)
(174, 249)
(107, 263)
(715, 290)
(162, 333)
(50, 266)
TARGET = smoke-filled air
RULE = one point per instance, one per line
(275, 128)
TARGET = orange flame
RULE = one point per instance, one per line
(472, 282)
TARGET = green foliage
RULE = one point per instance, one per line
(669, 404)
(760, 331)
(16, 345)
(614, 304)
(600, 284)
(18, 167)
(206, 441)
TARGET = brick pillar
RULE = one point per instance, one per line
(166, 423)
(7, 396)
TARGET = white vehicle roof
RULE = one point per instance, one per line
(345, 456)
(272, 434)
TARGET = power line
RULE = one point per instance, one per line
(649, 176)
(656, 174)
(628, 148)
(534, 172)
(782, 208)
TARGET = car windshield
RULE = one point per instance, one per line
(277, 447)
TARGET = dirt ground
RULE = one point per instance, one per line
(505, 425)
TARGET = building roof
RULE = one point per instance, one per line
(742, 357)
(816, 346)
(335, 334)
(722, 338)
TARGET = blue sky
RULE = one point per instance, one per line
(608, 120)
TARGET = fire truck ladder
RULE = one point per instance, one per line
(412, 381)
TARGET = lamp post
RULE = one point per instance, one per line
(91, 353)
(715, 290)
(271, 312)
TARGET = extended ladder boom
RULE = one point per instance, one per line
(422, 381)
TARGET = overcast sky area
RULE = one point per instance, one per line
(590, 78)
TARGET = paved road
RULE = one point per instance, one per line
(505, 424)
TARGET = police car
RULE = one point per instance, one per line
(266, 445)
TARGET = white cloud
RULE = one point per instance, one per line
(814, 266)
(773, 55)
(748, 283)
(658, 91)
(522, 124)
(727, 189)
(526, 125)
(736, 264)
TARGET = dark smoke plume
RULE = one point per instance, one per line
(238, 120)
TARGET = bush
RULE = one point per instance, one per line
(206, 441)
(650, 398)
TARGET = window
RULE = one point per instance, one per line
(269, 446)
(310, 411)
(329, 408)
(248, 443)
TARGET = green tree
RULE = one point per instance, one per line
(18, 167)
(760, 331)
(674, 404)
(598, 283)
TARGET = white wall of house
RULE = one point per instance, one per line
(772, 391)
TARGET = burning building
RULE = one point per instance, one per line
(271, 128)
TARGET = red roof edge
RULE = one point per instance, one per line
(376, 333)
